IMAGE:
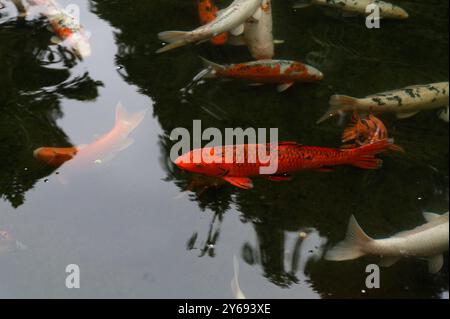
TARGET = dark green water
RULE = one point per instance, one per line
(126, 224)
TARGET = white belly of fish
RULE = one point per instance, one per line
(259, 35)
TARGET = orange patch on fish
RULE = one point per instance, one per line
(55, 156)
(207, 12)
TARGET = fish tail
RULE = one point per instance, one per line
(175, 39)
(212, 67)
(352, 246)
(338, 104)
(364, 156)
(351, 131)
(131, 120)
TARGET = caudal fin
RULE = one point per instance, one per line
(175, 39)
(338, 104)
(352, 246)
(364, 156)
(132, 121)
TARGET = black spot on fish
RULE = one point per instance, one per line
(378, 100)
(395, 98)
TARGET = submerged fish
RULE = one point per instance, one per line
(282, 72)
(102, 150)
(404, 102)
(230, 19)
(235, 288)
(443, 115)
(362, 131)
(207, 12)
(289, 157)
(427, 241)
(258, 35)
(359, 7)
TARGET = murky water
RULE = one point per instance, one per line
(135, 227)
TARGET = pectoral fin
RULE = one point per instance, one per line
(278, 41)
(430, 216)
(388, 261)
(241, 182)
(126, 144)
(55, 40)
(237, 41)
(435, 264)
(283, 87)
(406, 115)
(258, 14)
(238, 30)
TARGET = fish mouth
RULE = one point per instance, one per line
(314, 73)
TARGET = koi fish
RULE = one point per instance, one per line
(366, 131)
(404, 103)
(443, 115)
(359, 7)
(68, 32)
(102, 150)
(258, 34)
(427, 241)
(207, 12)
(230, 19)
(282, 72)
(290, 157)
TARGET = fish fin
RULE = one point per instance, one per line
(207, 73)
(237, 41)
(444, 114)
(171, 46)
(278, 41)
(55, 40)
(128, 142)
(49, 28)
(133, 120)
(283, 87)
(365, 155)
(388, 261)
(324, 170)
(212, 65)
(238, 30)
(280, 178)
(301, 5)
(258, 14)
(235, 288)
(430, 216)
(241, 182)
(338, 103)
(350, 247)
(172, 36)
(435, 263)
(404, 115)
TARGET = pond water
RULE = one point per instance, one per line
(138, 228)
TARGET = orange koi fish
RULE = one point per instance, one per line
(366, 131)
(207, 12)
(289, 156)
(282, 72)
(102, 150)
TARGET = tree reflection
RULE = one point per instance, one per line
(33, 80)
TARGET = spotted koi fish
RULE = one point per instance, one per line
(362, 131)
(282, 72)
(404, 103)
(207, 12)
(230, 19)
(289, 156)
(358, 7)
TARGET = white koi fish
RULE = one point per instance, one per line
(359, 7)
(235, 288)
(230, 19)
(428, 241)
(258, 34)
(405, 102)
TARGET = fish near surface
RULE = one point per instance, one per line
(404, 102)
(428, 241)
(230, 19)
(237, 163)
(362, 131)
(100, 151)
(258, 34)
(358, 7)
(207, 12)
(282, 72)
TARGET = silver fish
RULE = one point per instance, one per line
(405, 102)
(428, 241)
(359, 7)
(230, 19)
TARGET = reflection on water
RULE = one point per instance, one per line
(264, 226)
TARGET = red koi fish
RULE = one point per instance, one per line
(102, 150)
(362, 131)
(207, 12)
(282, 72)
(289, 156)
